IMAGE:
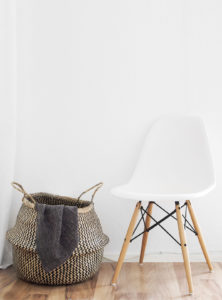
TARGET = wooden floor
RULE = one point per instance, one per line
(153, 281)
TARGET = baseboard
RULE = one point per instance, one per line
(215, 256)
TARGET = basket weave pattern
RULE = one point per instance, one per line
(76, 269)
(81, 265)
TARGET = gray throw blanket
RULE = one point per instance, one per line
(57, 234)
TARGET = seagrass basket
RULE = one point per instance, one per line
(85, 259)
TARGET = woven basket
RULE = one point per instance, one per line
(85, 259)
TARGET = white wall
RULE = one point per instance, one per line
(7, 120)
(92, 75)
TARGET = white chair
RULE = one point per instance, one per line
(175, 165)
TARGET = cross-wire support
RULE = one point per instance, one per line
(182, 223)
(187, 224)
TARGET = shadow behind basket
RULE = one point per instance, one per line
(85, 259)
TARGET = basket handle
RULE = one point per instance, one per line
(20, 188)
(97, 186)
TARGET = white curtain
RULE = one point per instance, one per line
(7, 122)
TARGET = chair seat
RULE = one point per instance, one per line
(130, 192)
(175, 162)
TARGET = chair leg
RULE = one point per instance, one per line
(145, 235)
(199, 235)
(184, 247)
(126, 243)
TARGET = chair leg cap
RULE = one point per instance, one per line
(211, 271)
(141, 264)
(190, 294)
(113, 284)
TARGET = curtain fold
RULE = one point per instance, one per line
(7, 122)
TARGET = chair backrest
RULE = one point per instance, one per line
(175, 158)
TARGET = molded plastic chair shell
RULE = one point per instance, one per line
(175, 162)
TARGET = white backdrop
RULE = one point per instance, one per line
(92, 76)
(7, 121)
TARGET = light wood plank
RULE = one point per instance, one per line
(151, 281)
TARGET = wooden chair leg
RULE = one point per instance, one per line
(145, 235)
(199, 235)
(126, 243)
(184, 248)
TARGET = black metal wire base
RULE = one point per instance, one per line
(143, 211)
